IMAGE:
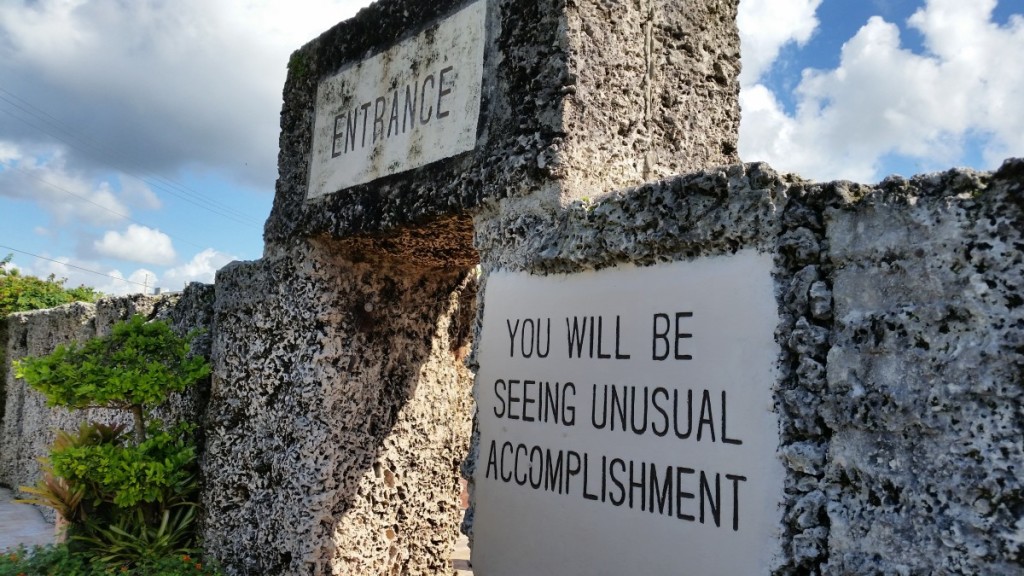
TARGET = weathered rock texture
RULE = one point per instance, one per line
(29, 427)
(340, 402)
(339, 415)
(4, 368)
(924, 375)
(900, 346)
(578, 98)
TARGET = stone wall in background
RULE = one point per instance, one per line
(28, 426)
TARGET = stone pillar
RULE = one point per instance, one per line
(341, 403)
(340, 411)
(575, 98)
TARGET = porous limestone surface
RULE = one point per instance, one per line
(340, 403)
(339, 413)
(924, 376)
(652, 92)
(29, 426)
(577, 98)
(4, 367)
(714, 212)
(900, 340)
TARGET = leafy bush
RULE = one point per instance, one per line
(130, 499)
(157, 470)
(45, 561)
(22, 293)
(59, 560)
(135, 368)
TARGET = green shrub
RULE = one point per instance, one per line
(157, 470)
(46, 561)
(22, 293)
(59, 560)
(135, 368)
(131, 500)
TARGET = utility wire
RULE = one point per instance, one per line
(74, 266)
(160, 182)
(89, 143)
(97, 204)
(155, 184)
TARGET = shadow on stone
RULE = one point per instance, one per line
(339, 413)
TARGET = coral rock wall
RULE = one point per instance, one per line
(339, 415)
(924, 375)
(28, 426)
(340, 404)
(900, 389)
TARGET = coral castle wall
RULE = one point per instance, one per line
(339, 413)
(899, 346)
(340, 424)
(875, 399)
(28, 427)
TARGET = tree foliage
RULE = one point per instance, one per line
(22, 293)
(134, 368)
(111, 470)
(129, 503)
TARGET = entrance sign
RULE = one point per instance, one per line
(627, 422)
(414, 104)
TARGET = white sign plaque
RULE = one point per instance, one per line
(414, 104)
(627, 422)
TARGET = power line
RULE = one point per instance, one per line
(240, 219)
(74, 266)
(70, 193)
(89, 143)
(97, 204)
(162, 183)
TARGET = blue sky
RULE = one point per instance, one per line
(139, 139)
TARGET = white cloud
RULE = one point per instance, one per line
(137, 193)
(165, 84)
(768, 25)
(140, 281)
(106, 280)
(885, 99)
(202, 268)
(42, 177)
(974, 51)
(57, 266)
(100, 94)
(142, 276)
(137, 244)
(9, 152)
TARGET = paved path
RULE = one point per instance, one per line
(21, 524)
(460, 558)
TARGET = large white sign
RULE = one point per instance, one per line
(627, 422)
(414, 104)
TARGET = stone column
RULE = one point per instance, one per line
(341, 404)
